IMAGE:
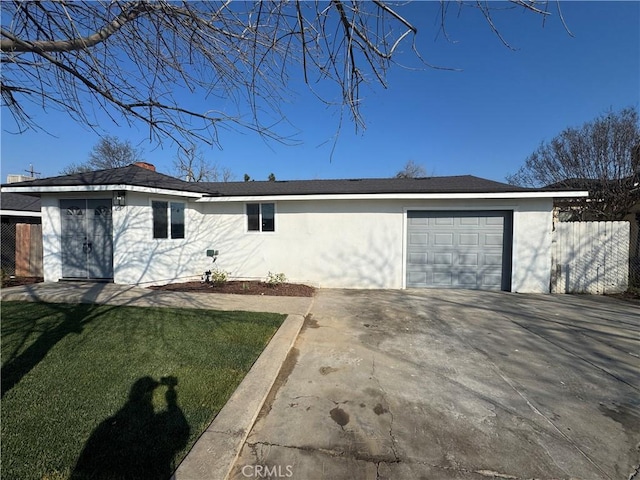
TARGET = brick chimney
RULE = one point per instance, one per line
(148, 166)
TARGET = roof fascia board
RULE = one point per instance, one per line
(399, 196)
(20, 213)
(100, 188)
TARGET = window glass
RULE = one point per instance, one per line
(268, 217)
(177, 220)
(160, 219)
(253, 217)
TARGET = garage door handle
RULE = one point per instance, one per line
(87, 247)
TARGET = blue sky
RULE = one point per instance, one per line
(483, 119)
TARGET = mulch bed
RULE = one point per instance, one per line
(242, 288)
(17, 281)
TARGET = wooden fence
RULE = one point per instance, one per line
(22, 249)
(590, 257)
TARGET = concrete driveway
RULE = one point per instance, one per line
(457, 384)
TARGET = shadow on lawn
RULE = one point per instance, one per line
(136, 443)
(75, 317)
(16, 367)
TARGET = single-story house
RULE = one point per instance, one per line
(133, 225)
(20, 236)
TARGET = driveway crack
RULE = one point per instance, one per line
(375, 459)
(387, 408)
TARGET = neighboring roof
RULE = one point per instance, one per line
(19, 202)
(136, 176)
(596, 187)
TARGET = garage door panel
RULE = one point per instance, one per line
(443, 259)
(418, 221)
(417, 258)
(468, 279)
(442, 278)
(493, 240)
(448, 221)
(471, 239)
(468, 259)
(493, 260)
(417, 278)
(458, 249)
(493, 220)
(418, 239)
(469, 221)
(491, 279)
(443, 239)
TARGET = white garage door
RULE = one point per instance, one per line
(459, 249)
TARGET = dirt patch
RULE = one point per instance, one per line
(242, 288)
(632, 295)
(283, 375)
(18, 281)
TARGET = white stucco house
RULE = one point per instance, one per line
(133, 225)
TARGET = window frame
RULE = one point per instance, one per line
(260, 229)
(169, 233)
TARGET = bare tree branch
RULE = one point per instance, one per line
(136, 61)
(12, 44)
(191, 166)
(601, 156)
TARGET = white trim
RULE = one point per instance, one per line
(200, 197)
(101, 188)
(20, 213)
(396, 196)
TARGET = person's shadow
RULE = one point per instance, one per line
(136, 443)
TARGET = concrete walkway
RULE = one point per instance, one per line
(112, 294)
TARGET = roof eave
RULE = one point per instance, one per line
(99, 188)
(20, 213)
(398, 196)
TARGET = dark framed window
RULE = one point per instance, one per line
(261, 217)
(168, 219)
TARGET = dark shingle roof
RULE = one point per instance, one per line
(19, 202)
(129, 175)
(138, 176)
(456, 184)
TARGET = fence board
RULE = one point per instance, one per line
(23, 249)
(35, 251)
(590, 257)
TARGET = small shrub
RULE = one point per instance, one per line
(275, 279)
(219, 277)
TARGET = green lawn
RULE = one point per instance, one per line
(90, 391)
